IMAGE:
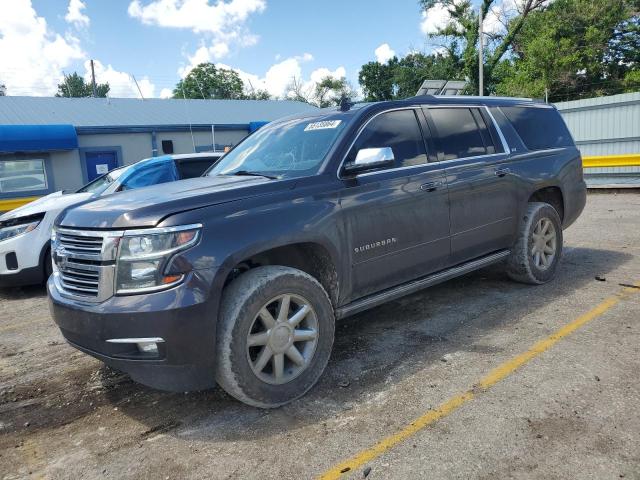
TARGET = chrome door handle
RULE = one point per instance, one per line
(501, 172)
(430, 186)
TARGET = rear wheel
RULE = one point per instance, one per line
(536, 253)
(275, 336)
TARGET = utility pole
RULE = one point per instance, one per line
(93, 80)
(480, 56)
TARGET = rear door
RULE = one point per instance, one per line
(482, 190)
(396, 218)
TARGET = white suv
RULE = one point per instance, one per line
(26, 231)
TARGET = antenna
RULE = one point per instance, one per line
(138, 86)
(345, 103)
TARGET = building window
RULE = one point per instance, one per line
(20, 176)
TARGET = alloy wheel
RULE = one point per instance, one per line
(282, 339)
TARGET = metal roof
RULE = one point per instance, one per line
(95, 112)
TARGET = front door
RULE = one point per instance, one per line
(396, 219)
(482, 191)
(99, 163)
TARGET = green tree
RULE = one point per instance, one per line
(376, 80)
(401, 78)
(329, 91)
(207, 81)
(74, 86)
(3, 89)
(258, 95)
(575, 49)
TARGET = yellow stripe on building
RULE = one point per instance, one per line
(626, 160)
(11, 203)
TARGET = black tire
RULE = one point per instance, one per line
(241, 303)
(48, 265)
(522, 263)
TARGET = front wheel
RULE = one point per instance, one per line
(275, 335)
(536, 253)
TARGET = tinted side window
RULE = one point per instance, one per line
(458, 133)
(539, 128)
(400, 131)
(194, 168)
(153, 175)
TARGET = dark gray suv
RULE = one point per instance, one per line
(238, 276)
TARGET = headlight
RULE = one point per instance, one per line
(18, 226)
(143, 258)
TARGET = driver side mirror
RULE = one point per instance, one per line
(371, 158)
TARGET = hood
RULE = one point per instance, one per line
(148, 206)
(54, 202)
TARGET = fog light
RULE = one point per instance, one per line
(148, 347)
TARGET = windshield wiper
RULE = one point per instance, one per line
(247, 173)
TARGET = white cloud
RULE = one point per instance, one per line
(435, 18)
(223, 23)
(122, 85)
(74, 14)
(32, 56)
(166, 93)
(197, 15)
(384, 53)
(280, 75)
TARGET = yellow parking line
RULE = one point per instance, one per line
(451, 405)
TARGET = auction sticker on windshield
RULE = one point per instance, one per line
(322, 125)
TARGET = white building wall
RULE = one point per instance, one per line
(605, 126)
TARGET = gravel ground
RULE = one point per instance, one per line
(572, 412)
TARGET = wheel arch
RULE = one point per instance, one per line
(309, 256)
(552, 195)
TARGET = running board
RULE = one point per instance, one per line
(416, 285)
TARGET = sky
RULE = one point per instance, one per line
(157, 42)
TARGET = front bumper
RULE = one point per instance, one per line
(29, 251)
(25, 276)
(184, 316)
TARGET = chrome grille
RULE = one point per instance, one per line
(84, 263)
(80, 279)
(80, 244)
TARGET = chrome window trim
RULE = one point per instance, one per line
(363, 126)
(505, 146)
(395, 169)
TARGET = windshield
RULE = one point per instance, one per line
(289, 149)
(100, 184)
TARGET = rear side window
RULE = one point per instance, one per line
(458, 133)
(194, 168)
(539, 128)
(396, 129)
